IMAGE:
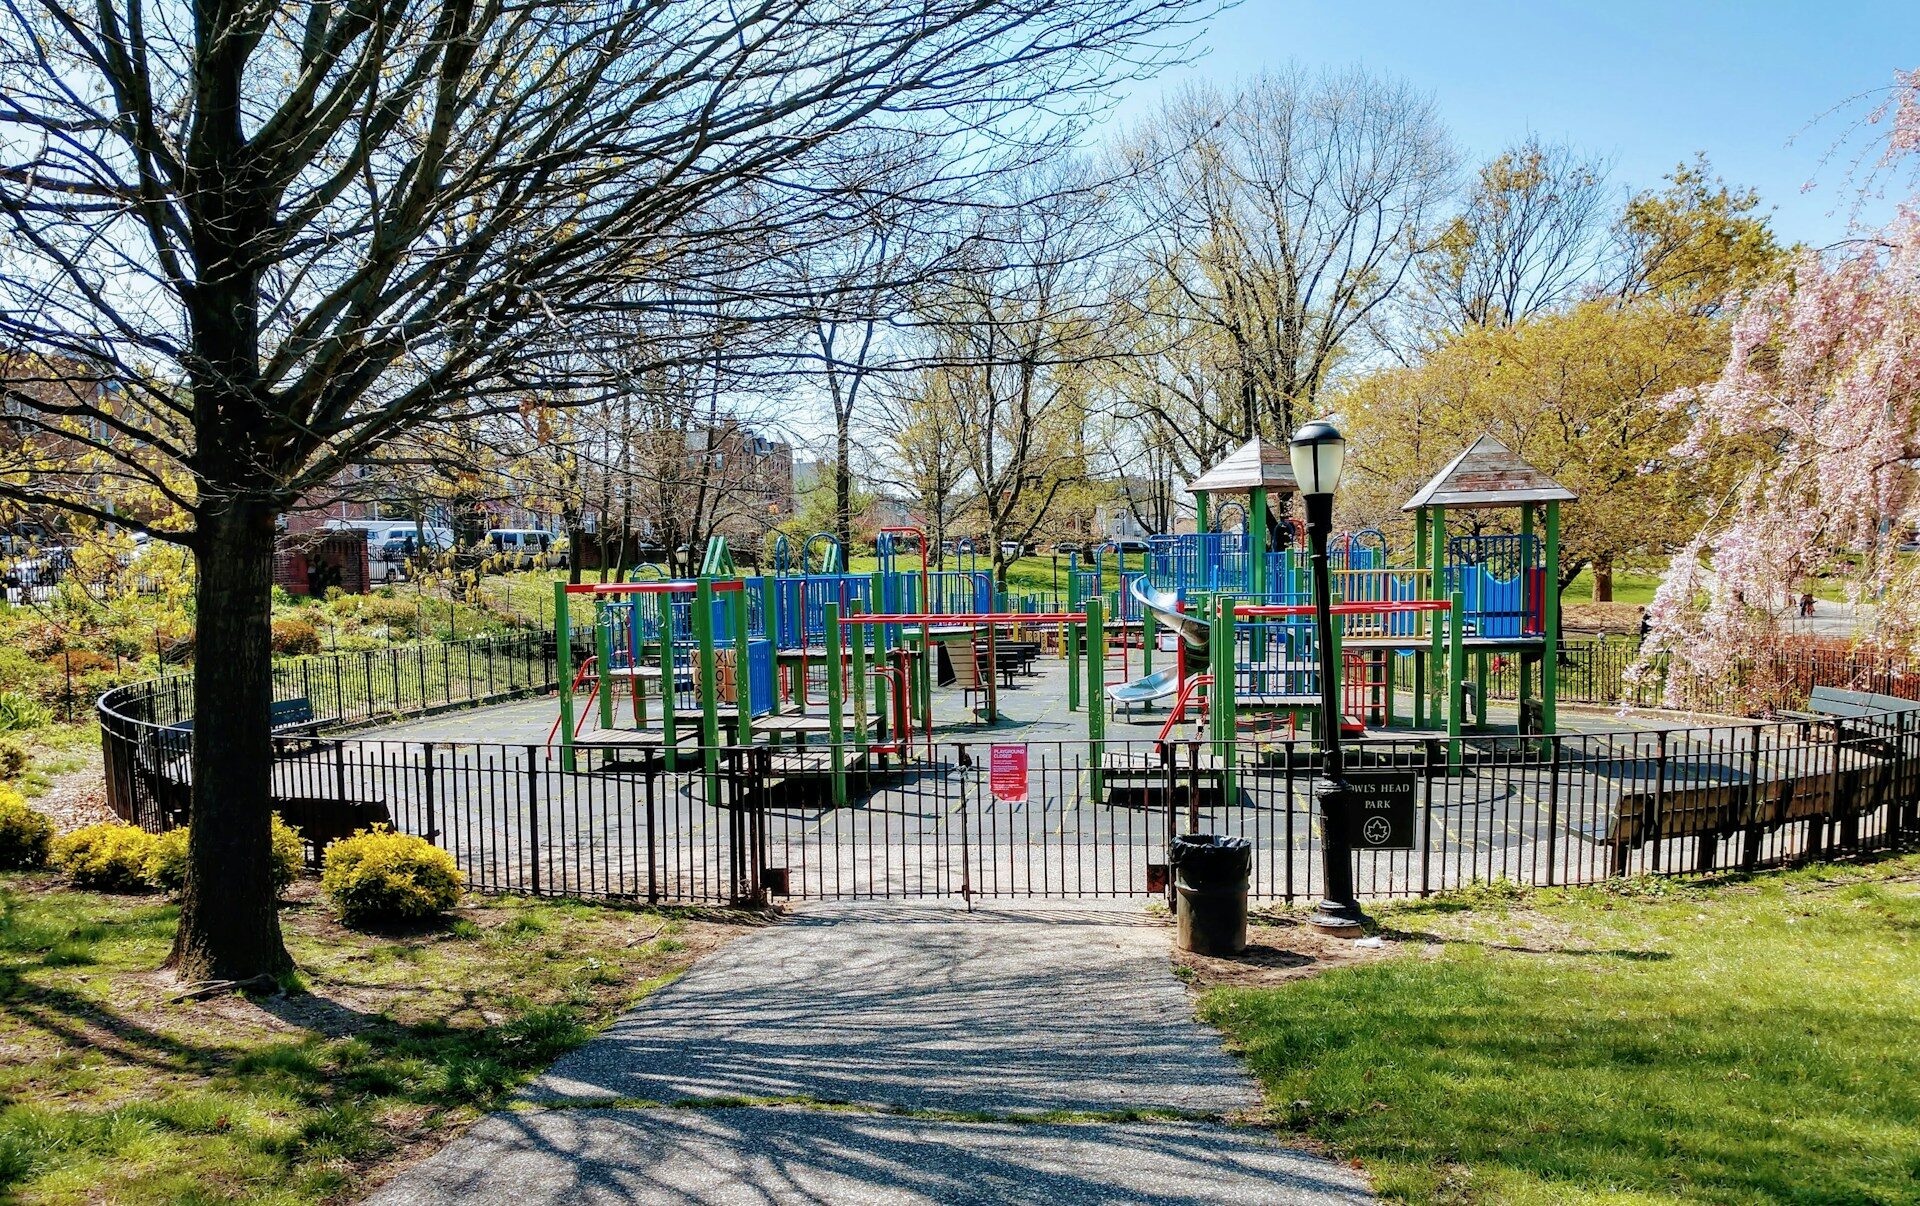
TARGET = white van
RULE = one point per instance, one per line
(522, 548)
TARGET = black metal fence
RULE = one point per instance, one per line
(144, 727)
(1088, 820)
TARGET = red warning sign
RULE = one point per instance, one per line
(1007, 773)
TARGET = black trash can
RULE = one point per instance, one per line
(1210, 873)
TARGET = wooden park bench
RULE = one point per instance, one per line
(1875, 723)
(1832, 793)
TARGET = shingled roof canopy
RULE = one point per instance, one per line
(1254, 464)
(1488, 474)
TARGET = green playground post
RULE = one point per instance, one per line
(835, 667)
(1456, 674)
(669, 723)
(1221, 653)
(1437, 691)
(603, 651)
(563, 668)
(1221, 693)
(742, 678)
(1146, 641)
(1526, 666)
(1550, 613)
(1420, 666)
(1200, 512)
(1480, 682)
(1096, 690)
(709, 694)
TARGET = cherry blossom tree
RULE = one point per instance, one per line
(1825, 368)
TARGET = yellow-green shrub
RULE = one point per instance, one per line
(111, 856)
(167, 862)
(13, 759)
(24, 832)
(380, 875)
(400, 616)
(294, 636)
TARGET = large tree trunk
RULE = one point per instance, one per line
(229, 923)
(1603, 578)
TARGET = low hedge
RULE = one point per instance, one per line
(25, 833)
(111, 857)
(383, 876)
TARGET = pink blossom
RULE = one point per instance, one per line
(1824, 366)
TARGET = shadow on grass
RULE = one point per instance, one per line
(299, 1108)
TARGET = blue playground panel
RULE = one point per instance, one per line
(1501, 581)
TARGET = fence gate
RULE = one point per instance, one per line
(951, 824)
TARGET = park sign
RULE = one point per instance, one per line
(1380, 809)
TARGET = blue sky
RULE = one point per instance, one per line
(1644, 85)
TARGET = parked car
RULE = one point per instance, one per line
(1129, 544)
(390, 551)
(1063, 547)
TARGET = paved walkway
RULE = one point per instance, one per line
(780, 1046)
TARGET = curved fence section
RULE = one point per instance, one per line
(146, 729)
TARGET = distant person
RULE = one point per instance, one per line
(1806, 603)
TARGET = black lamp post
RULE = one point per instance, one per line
(1318, 452)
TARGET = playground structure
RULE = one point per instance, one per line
(1236, 605)
(837, 669)
(839, 666)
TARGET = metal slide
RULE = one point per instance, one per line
(1193, 632)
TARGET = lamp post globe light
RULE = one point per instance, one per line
(1318, 453)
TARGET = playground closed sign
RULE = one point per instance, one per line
(1007, 773)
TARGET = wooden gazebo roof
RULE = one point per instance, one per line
(1250, 466)
(1488, 474)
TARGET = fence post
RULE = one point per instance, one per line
(1659, 798)
(1287, 779)
(533, 819)
(1553, 806)
(1750, 840)
(1430, 754)
(428, 790)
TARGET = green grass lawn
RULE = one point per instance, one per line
(1752, 1041)
(109, 1093)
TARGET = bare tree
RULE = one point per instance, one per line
(1529, 236)
(1282, 218)
(291, 231)
(1010, 334)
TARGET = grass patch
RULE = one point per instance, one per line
(109, 1093)
(1747, 1041)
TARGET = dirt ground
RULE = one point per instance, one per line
(1279, 949)
(75, 797)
